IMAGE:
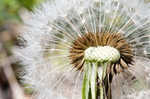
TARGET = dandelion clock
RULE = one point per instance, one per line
(87, 49)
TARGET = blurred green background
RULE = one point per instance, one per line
(10, 22)
(9, 9)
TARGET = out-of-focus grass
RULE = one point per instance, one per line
(9, 9)
(147, 1)
(10, 22)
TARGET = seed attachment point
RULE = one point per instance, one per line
(102, 54)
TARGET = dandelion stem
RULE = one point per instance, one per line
(86, 81)
(94, 79)
(92, 72)
(101, 76)
(101, 91)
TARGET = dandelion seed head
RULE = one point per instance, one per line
(96, 47)
(57, 34)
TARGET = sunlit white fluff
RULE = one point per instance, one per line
(51, 29)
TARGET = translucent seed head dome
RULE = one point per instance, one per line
(58, 32)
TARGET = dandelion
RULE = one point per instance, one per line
(87, 49)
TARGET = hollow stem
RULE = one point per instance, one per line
(101, 76)
(92, 73)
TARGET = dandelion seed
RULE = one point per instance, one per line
(97, 47)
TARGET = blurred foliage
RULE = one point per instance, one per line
(9, 15)
(9, 9)
(147, 1)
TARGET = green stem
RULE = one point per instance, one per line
(101, 91)
(93, 80)
(103, 72)
(86, 81)
(104, 65)
(91, 72)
